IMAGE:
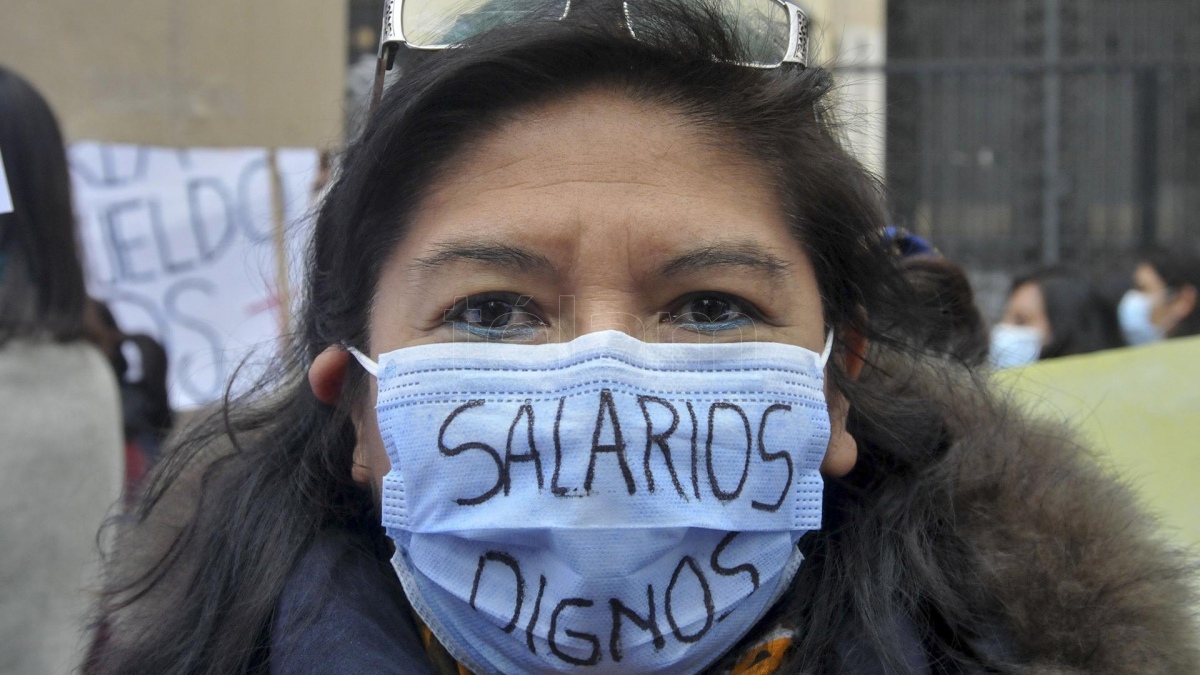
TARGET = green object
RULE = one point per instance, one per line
(1139, 410)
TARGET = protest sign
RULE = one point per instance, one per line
(1139, 409)
(6, 205)
(218, 73)
(182, 246)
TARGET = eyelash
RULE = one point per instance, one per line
(458, 315)
(746, 312)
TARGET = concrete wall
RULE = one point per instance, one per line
(852, 34)
(185, 72)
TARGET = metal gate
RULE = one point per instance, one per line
(1043, 131)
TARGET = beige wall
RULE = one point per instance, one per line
(185, 72)
(853, 33)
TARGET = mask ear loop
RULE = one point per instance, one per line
(828, 348)
(373, 367)
(363, 360)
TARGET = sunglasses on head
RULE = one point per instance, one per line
(771, 32)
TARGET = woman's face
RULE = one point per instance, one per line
(595, 213)
(1027, 307)
(1166, 309)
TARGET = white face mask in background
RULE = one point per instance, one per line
(602, 505)
(1134, 314)
(6, 203)
(1014, 346)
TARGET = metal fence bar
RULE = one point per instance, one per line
(1065, 65)
(1146, 121)
(1028, 131)
(1051, 133)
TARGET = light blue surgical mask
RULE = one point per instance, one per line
(606, 504)
(1134, 313)
(1014, 346)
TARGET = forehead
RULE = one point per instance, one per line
(1027, 297)
(602, 166)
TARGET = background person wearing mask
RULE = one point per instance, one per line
(1050, 313)
(60, 420)
(1163, 301)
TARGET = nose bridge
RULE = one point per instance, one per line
(601, 310)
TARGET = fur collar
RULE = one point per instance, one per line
(1082, 578)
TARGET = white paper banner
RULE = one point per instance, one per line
(180, 244)
(6, 205)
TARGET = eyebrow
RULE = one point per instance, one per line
(504, 256)
(491, 254)
(744, 254)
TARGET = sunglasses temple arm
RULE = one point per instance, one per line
(377, 90)
(387, 59)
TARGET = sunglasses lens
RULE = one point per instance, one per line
(439, 23)
(761, 27)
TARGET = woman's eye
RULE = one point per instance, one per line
(495, 315)
(712, 311)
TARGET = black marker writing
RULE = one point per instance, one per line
(621, 613)
(506, 559)
(537, 610)
(554, 487)
(533, 455)
(594, 657)
(688, 562)
(660, 439)
(714, 562)
(617, 447)
(473, 445)
(695, 433)
(771, 457)
(712, 475)
(649, 623)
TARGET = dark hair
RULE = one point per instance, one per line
(1081, 321)
(41, 278)
(1179, 266)
(274, 467)
(949, 322)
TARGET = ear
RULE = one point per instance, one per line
(842, 453)
(855, 354)
(327, 374)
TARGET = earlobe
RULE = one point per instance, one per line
(842, 453)
(327, 374)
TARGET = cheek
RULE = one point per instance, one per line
(1038, 319)
(371, 461)
(842, 452)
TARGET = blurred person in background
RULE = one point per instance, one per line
(60, 419)
(1050, 313)
(140, 364)
(949, 323)
(1163, 302)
